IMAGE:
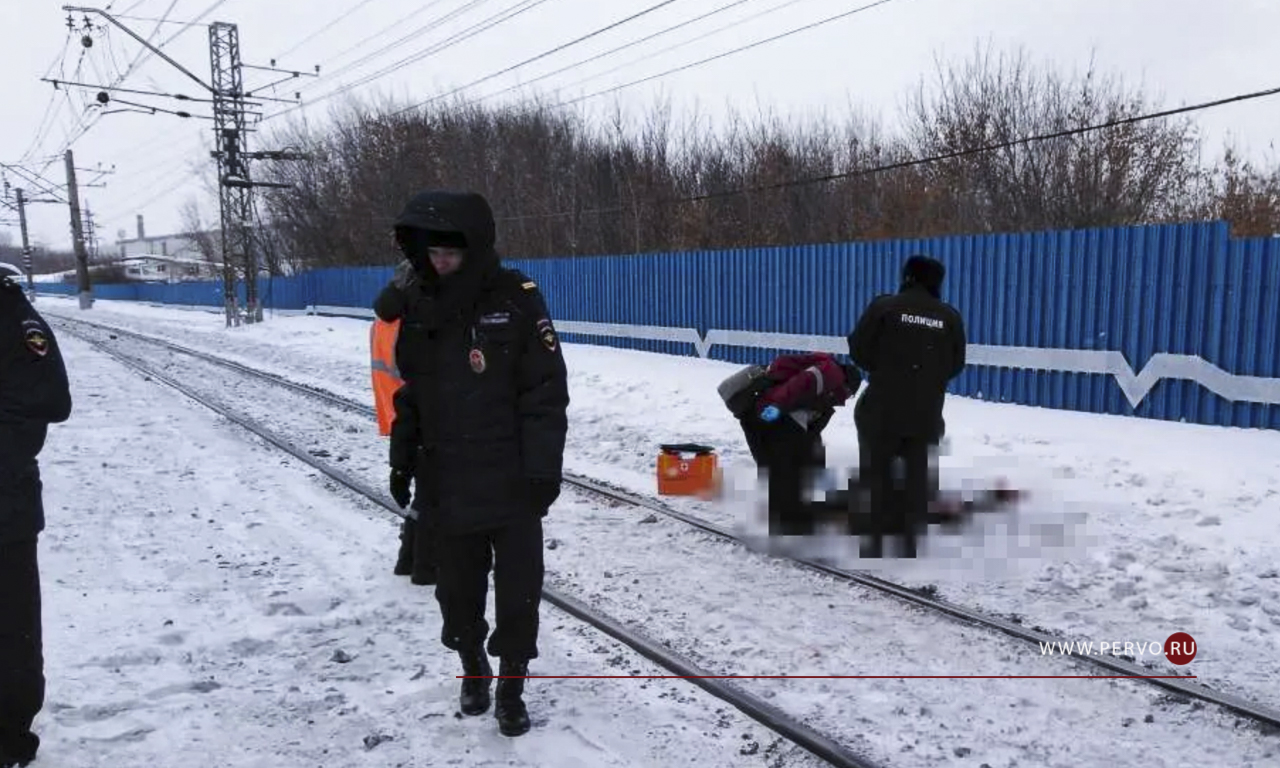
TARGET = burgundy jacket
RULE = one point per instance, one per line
(809, 388)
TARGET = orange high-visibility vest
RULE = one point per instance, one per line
(386, 376)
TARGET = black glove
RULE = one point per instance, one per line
(542, 494)
(852, 378)
(400, 487)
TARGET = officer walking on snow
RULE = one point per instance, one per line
(910, 345)
(34, 393)
(480, 427)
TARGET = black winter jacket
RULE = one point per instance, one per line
(34, 393)
(911, 345)
(484, 408)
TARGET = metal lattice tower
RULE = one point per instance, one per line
(235, 190)
(231, 107)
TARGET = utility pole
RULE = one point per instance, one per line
(26, 245)
(21, 207)
(231, 106)
(77, 234)
(235, 190)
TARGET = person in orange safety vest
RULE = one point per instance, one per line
(385, 373)
(415, 559)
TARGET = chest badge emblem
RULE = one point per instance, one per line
(477, 360)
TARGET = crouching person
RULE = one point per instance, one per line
(783, 410)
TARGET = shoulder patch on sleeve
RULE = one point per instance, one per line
(36, 340)
(547, 333)
(528, 285)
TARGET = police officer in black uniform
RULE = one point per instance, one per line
(911, 345)
(488, 391)
(33, 394)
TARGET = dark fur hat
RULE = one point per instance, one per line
(924, 271)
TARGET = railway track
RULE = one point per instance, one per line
(767, 715)
(1115, 667)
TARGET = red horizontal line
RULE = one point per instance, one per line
(834, 677)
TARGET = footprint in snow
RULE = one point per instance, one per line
(250, 647)
(93, 713)
(284, 609)
(131, 736)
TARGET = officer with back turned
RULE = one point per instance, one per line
(34, 393)
(910, 344)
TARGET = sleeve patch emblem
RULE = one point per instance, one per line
(476, 358)
(37, 342)
(547, 334)
(529, 286)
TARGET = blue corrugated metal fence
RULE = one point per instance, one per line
(1171, 322)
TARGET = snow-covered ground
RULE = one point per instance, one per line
(1119, 544)
(209, 602)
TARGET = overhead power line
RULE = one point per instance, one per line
(37, 181)
(956, 154)
(144, 54)
(149, 18)
(45, 122)
(718, 56)
(185, 26)
(142, 57)
(411, 36)
(88, 119)
(454, 39)
(131, 8)
(682, 44)
(325, 28)
(544, 54)
(395, 25)
(622, 47)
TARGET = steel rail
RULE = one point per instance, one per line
(1189, 688)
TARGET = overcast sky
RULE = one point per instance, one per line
(1186, 51)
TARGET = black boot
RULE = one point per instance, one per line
(18, 750)
(513, 718)
(404, 561)
(475, 687)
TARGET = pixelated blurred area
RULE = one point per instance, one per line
(993, 518)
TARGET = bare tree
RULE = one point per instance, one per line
(206, 242)
(563, 184)
(1119, 175)
(44, 261)
(1245, 196)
